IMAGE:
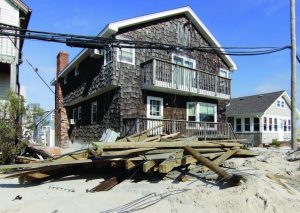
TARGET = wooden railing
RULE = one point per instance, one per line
(161, 73)
(202, 130)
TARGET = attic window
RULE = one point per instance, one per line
(280, 104)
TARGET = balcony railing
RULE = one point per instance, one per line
(8, 51)
(157, 73)
(201, 130)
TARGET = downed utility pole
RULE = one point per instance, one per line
(232, 180)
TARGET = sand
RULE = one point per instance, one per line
(257, 194)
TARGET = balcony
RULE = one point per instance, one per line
(201, 130)
(164, 76)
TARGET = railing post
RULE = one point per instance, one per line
(173, 127)
(205, 131)
(137, 124)
(216, 85)
(154, 72)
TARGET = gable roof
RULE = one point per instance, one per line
(114, 27)
(254, 103)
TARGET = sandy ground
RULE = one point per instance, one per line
(257, 194)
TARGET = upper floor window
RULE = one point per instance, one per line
(65, 80)
(94, 112)
(79, 113)
(280, 103)
(75, 114)
(224, 73)
(76, 71)
(107, 56)
(126, 55)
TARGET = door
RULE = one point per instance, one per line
(155, 114)
(183, 78)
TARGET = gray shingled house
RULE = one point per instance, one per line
(261, 118)
(129, 90)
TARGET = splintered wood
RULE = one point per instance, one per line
(138, 152)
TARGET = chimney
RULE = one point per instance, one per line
(61, 118)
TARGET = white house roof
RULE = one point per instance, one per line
(114, 27)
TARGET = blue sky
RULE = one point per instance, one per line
(232, 22)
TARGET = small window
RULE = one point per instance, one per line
(247, 124)
(238, 125)
(282, 104)
(289, 125)
(265, 124)
(275, 125)
(154, 107)
(256, 124)
(76, 71)
(75, 115)
(126, 55)
(107, 56)
(65, 80)
(270, 124)
(224, 73)
(79, 113)
(278, 103)
(94, 112)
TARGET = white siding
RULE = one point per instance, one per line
(9, 14)
(4, 84)
(281, 112)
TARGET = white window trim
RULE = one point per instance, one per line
(74, 116)
(224, 70)
(161, 106)
(76, 71)
(93, 103)
(198, 104)
(79, 109)
(105, 59)
(185, 58)
(65, 80)
(126, 62)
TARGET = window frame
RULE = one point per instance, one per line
(275, 125)
(224, 70)
(238, 125)
(105, 52)
(119, 50)
(94, 121)
(247, 125)
(79, 115)
(74, 114)
(161, 108)
(256, 124)
(265, 124)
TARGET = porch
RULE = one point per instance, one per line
(164, 76)
(201, 130)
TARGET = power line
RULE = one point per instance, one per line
(96, 42)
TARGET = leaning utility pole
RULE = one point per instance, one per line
(293, 76)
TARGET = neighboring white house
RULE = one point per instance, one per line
(44, 131)
(261, 118)
(13, 13)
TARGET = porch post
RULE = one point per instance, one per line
(216, 85)
(13, 78)
(154, 72)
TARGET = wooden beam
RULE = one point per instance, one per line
(233, 180)
(221, 159)
(148, 165)
(169, 164)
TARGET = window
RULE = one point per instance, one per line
(280, 103)
(207, 112)
(256, 124)
(224, 73)
(75, 114)
(270, 124)
(265, 124)
(107, 56)
(94, 112)
(65, 80)
(126, 55)
(76, 71)
(247, 124)
(181, 76)
(284, 125)
(275, 125)
(79, 113)
(191, 111)
(238, 125)
(154, 107)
